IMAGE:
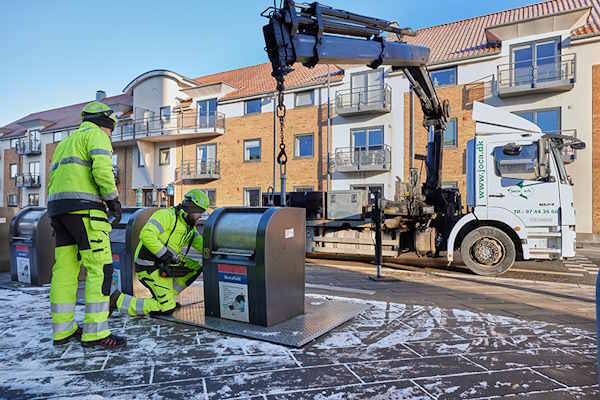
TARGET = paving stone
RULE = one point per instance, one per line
(340, 355)
(486, 384)
(560, 394)
(476, 345)
(221, 366)
(523, 358)
(243, 385)
(589, 354)
(546, 341)
(412, 368)
(394, 390)
(572, 374)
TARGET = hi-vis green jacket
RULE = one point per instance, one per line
(166, 231)
(81, 173)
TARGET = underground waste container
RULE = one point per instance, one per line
(121, 254)
(254, 264)
(31, 242)
(6, 215)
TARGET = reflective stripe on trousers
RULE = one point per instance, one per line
(177, 287)
(127, 299)
(62, 308)
(95, 327)
(96, 307)
(63, 327)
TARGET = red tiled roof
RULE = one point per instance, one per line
(62, 117)
(466, 38)
(257, 79)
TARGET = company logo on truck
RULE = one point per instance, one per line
(520, 190)
(480, 167)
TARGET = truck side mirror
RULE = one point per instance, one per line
(511, 149)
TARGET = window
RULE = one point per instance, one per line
(34, 135)
(367, 138)
(13, 170)
(443, 77)
(165, 113)
(252, 106)
(252, 150)
(58, 136)
(450, 185)
(140, 158)
(523, 165)
(212, 196)
(34, 168)
(11, 200)
(548, 120)
(303, 146)
(306, 98)
(13, 143)
(370, 188)
(164, 156)
(115, 159)
(207, 112)
(541, 57)
(367, 87)
(450, 134)
(33, 199)
(206, 159)
(303, 189)
(252, 197)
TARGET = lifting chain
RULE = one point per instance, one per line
(281, 111)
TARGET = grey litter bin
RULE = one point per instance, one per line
(32, 242)
(122, 257)
(6, 215)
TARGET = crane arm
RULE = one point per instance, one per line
(316, 34)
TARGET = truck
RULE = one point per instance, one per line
(519, 197)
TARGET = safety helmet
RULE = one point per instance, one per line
(100, 114)
(195, 200)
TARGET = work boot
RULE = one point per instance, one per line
(74, 335)
(112, 303)
(110, 342)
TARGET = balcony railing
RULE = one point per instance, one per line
(29, 147)
(549, 74)
(349, 159)
(179, 123)
(369, 99)
(199, 170)
(27, 181)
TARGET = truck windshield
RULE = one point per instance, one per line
(562, 172)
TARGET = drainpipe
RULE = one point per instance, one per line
(411, 145)
(181, 171)
(274, 140)
(328, 124)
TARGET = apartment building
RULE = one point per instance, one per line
(215, 132)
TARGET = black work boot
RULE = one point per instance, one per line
(112, 303)
(74, 335)
(110, 342)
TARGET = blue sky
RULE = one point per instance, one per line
(56, 53)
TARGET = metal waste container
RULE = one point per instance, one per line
(32, 242)
(254, 264)
(6, 215)
(121, 254)
(136, 219)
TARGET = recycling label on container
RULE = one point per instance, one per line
(233, 292)
(116, 275)
(23, 266)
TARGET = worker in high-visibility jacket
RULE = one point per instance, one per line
(161, 258)
(81, 187)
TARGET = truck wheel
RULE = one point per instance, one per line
(488, 251)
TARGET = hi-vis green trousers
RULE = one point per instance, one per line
(81, 235)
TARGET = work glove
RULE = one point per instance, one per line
(114, 206)
(170, 258)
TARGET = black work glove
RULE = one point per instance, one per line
(114, 206)
(170, 258)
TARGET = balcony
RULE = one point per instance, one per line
(363, 100)
(349, 159)
(28, 181)
(549, 74)
(197, 170)
(180, 125)
(29, 147)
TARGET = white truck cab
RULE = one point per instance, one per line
(519, 196)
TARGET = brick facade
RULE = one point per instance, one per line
(11, 157)
(237, 174)
(595, 145)
(454, 158)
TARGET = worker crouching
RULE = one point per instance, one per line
(161, 260)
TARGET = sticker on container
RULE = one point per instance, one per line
(2, 220)
(289, 233)
(23, 267)
(233, 292)
(116, 275)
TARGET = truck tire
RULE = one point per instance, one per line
(488, 251)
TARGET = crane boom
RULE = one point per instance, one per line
(316, 34)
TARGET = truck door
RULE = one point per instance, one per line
(567, 209)
(522, 179)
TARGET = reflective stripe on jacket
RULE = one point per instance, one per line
(81, 172)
